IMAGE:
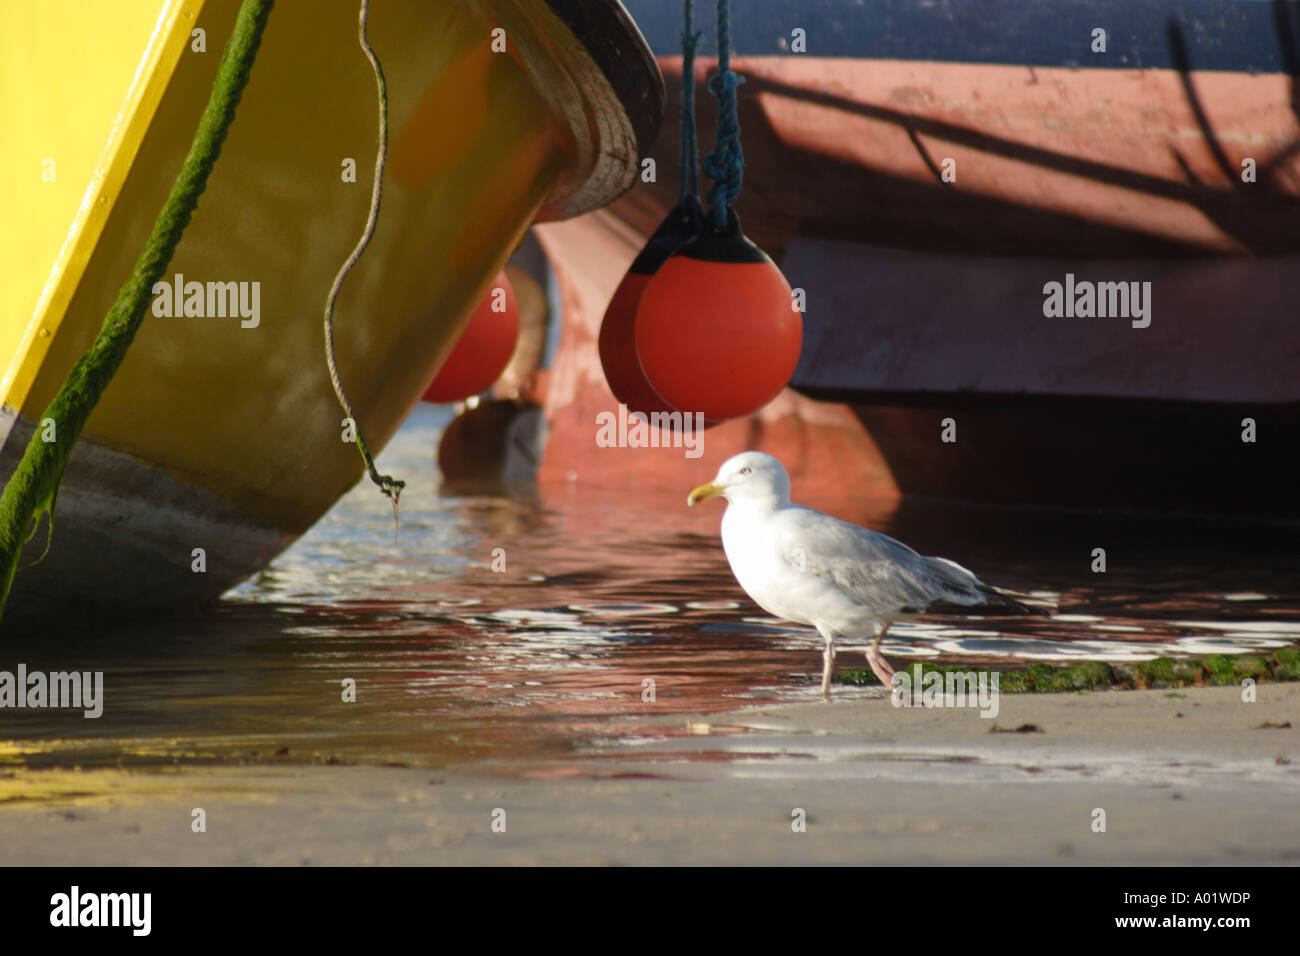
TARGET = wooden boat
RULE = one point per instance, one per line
(221, 432)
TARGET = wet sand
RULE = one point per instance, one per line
(1184, 777)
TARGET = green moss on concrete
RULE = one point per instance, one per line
(1090, 675)
(1286, 672)
(1042, 676)
(1015, 682)
(1162, 672)
(863, 677)
(1158, 673)
(1287, 655)
(1220, 670)
(1251, 665)
(1189, 673)
(858, 677)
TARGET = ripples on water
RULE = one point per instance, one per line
(457, 663)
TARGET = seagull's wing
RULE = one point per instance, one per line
(873, 569)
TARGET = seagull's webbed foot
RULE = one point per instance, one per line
(880, 667)
(876, 661)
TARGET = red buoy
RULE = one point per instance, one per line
(717, 330)
(483, 350)
(617, 342)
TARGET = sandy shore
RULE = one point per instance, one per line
(1184, 777)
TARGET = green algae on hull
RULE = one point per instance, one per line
(1216, 670)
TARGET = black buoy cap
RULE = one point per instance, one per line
(681, 225)
(726, 245)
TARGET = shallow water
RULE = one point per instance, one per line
(460, 664)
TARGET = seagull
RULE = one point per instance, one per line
(806, 567)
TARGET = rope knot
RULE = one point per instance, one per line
(724, 84)
(726, 164)
(392, 487)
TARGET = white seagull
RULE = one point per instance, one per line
(807, 567)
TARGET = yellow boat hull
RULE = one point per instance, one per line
(221, 431)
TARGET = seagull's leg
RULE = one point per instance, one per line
(876, 660)
(828, 662)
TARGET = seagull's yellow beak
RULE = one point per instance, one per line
(703, 493)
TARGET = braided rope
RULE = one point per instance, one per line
(690, 172)
(726, 164)
(386, 483)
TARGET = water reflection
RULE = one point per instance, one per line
(601, 591)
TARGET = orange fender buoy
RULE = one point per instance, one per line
(617, 341)
(483, 350)
(717, 330)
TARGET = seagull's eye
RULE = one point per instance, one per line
(746, 470)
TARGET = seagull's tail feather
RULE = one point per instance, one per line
(1014, 602)
(969, 595)
(995, 602)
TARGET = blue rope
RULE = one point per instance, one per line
(726, 164)
(690, 150)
